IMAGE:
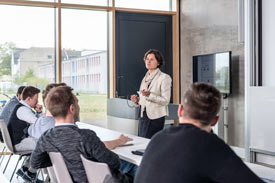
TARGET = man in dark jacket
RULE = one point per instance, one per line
(188, 152)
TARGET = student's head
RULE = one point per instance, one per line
(63, 104)
(201, 103)
(154, 56)
(19, 92)
(30, 95)
(48, 88)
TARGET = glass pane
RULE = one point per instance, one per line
(26, 47)
(164, 5)
(84, 61)
(88, 2)
(51, 1)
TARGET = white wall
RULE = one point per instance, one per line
(260, 101)
(268, 42)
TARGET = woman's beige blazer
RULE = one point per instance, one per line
(157, 102)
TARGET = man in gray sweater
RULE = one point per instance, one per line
(71, 141)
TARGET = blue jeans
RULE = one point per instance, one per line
(126, 167)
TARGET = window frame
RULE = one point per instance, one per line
(112, 9)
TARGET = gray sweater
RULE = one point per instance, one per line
(8, 108)
(71, 141)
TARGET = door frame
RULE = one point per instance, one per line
(175, 50)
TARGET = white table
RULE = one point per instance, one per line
(266, 173)
(123, 152)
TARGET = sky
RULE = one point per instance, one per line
(34, 27)
(81, 29)
(222, 60)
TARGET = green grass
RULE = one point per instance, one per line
(92, 107)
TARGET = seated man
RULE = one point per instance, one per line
(8, 108)
(188, 152)
(71, 141)
(20, 119)
(43, 123)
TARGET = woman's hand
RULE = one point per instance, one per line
(135, 99)
(145, 93)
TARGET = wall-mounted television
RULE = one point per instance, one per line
(215, 69)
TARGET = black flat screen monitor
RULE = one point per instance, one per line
(214, 69)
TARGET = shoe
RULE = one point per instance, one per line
(20, 172)
(30, 178)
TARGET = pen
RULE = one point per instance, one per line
(124, 145)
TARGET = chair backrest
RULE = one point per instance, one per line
(52, 174)
(60, 168)
(95, 171)
(6, 136)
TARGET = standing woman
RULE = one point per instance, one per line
(155, 93)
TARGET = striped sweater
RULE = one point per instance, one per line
(71, 141)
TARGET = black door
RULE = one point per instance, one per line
(135, 34)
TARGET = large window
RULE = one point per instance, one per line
(30, 53)
(27, 54)
(84, 60)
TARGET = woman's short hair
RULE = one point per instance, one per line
(201, 102)
(59, 99)
(29, 91)
(157, 54)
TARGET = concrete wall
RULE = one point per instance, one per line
(209, 26)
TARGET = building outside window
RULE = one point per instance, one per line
(28, 47)
(26, 44)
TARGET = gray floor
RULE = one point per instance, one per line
(10, 168)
